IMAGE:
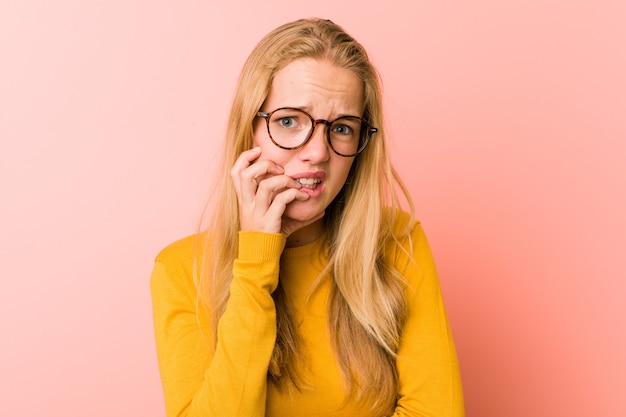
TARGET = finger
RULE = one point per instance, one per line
(279, 204)
(269, 188)
(243, 161)
(246, 171)
(251, 177)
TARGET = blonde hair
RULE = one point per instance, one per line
(366, 307)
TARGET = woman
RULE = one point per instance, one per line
(311, 294)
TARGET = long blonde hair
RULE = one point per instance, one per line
(366, 306)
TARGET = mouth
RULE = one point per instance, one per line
(310, 183)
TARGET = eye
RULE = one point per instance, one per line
(287, 122)
(342, 129)
(288, 119)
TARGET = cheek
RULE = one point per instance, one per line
(257, 134)
(270, 151)
(342, 170)
(347, 165)
(260, 136)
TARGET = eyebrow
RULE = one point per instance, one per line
(309, 110)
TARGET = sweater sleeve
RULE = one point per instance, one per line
(232, 379)
(428, 371)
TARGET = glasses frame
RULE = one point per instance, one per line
(369, 130)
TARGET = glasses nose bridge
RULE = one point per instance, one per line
(316, 122)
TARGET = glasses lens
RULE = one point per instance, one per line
(289, 127)
(347, 135)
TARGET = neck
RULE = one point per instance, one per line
(306, 235)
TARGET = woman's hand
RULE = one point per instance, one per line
(263, 192)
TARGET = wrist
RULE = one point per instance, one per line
(261, 246)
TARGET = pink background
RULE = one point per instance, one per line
(508, 124)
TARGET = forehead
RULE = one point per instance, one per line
(318, 86)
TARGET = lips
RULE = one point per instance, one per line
(311, 181)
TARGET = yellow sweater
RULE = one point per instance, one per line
(232, 380)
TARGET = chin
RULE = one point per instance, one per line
(299, 213)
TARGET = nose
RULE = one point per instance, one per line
(316, 150)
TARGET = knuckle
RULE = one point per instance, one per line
(247, 174)
(265, 186)
(286, 196)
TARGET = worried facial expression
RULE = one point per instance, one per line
(324, 91)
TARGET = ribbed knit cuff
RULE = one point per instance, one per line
(261, 246)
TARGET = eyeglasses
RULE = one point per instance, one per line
(291, 128)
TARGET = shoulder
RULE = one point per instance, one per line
(403, 226)
(407, 248)
(179, 251)
(177, 261)
(173, 284)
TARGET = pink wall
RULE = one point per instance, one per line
(508, 124)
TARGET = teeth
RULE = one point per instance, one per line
(308, 181)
